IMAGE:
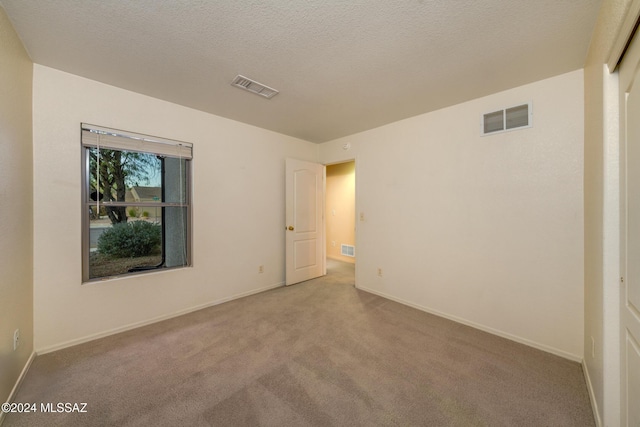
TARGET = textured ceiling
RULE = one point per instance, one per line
(341, 66)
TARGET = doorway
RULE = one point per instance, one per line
(340, 216)
(320, 229)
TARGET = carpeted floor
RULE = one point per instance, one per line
(319, 353)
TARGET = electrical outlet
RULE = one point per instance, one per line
(333, 243)
(16, 339)
(379, 272)
(261, 269)
(361, 216)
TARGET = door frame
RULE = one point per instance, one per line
(627, 76)
(615, 393)
(358, 213)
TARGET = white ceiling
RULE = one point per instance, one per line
(341, 66)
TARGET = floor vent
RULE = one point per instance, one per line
(348, 250)
(253, 86)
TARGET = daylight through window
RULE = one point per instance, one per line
(136, 203)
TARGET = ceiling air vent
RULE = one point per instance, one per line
(517, 117)
(252, 86)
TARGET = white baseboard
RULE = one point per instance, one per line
(135, 325)
(592, 396)
(539, 346)
(16, 386)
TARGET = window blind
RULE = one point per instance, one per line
(94, 136)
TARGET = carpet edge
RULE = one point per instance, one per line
(156, 319)
(18, 383)
(525, 341)
(592, 396)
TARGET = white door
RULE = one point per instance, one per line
(630, 235)
(305, 227)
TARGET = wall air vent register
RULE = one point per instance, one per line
(512, 118)
(348, 250)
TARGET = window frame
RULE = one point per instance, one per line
(163, 149)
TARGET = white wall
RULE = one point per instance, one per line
(238, 218)
(16, 207)
(484, 230)
(602, 223)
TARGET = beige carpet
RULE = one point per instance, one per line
(319, 353)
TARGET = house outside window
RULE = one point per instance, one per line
(136, 203)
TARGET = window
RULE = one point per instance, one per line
(506, 119)
(136, 203)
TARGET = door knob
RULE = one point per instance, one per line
(290, 228)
